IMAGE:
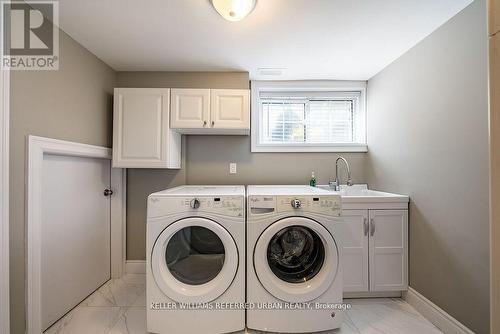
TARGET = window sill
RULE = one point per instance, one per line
(354, 148)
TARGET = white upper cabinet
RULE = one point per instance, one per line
(190, 108)
(388, 250)
(210, 111)
(230, 109)
(141, 131)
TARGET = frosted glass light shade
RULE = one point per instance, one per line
(234, 10)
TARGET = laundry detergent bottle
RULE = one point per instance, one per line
(312, 182)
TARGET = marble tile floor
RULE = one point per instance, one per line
(119, 307)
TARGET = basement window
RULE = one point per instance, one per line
(298, 116)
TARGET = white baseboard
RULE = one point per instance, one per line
(135, 266)
(434, 313)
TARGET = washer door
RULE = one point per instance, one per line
(296, 259)
(194, 260)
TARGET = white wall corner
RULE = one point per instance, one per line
(4, 200)
(436, 315)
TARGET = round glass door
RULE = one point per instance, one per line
(194, 260)
(296, 259)
(295, 254)
(195, 255)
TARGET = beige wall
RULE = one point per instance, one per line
(141, 183)
(74, 103)
(234, 80)
(208, 161)
(206, 158)
(428, 138)
(494, 32)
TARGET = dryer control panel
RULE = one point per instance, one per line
(328, 204)
(232, 206)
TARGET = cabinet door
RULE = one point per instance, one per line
(230, 109)
(388, 244)
(140, 128)
(355, 250)
(190, 108)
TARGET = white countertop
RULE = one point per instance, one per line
(287, 190)
(202, 191)
(359, 193)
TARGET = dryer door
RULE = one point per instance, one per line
(296, 259)
(194, 260)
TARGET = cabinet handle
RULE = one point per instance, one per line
(213, 123)
(204, 123)
(372, 227)
(365, 226)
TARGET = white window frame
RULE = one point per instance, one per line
(313, 87)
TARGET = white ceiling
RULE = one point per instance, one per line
(309, 39)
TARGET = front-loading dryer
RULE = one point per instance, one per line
(196, 260)
(294, 267)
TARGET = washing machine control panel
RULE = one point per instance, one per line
(329, 204)
(320, 204)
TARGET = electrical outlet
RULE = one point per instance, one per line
(232, 168)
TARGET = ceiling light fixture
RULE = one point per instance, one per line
(234, 10)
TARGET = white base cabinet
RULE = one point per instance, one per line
(141, 131)
(388, 250)
(355, 251)
(375, 250)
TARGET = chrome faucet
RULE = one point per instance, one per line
(335, 184)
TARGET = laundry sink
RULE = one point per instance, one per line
(360, 193)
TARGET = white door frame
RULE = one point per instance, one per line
(37, 147)
(4, 201)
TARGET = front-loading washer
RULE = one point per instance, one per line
(196, 260)
(294, 267)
